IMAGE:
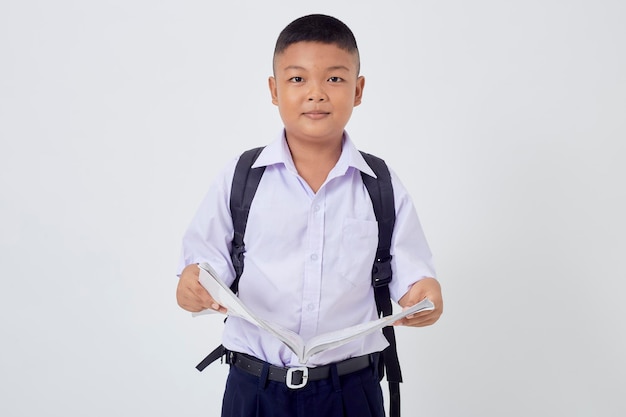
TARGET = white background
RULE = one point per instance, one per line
(505, 119)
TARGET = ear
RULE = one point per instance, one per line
(358, 95)
(273, 90)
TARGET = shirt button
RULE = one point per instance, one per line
(311, 307)
(316, 207)
(314, 257)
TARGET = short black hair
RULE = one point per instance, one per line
(318, 28)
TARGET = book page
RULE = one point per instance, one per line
(225, 297)
(338, 338)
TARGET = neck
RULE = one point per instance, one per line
(314, 161)
(318, 152)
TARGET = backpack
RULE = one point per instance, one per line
(244, 185)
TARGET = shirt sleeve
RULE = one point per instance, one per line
(411, 256)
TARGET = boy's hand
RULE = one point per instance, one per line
(191, 295)
(427, 287)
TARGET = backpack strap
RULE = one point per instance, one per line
(245, 182)
(380, 190)
(217, 353)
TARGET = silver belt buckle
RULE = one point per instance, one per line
(289, 377)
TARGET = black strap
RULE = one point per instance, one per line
(245, 183)
(217, 353)
(254, 366)
(380, 190)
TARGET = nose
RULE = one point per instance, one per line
(317, 93)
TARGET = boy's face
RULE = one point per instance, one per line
(315, 87)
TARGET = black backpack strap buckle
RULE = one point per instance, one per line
(237, 255)
(381, 271)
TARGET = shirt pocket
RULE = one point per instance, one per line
(359, 240)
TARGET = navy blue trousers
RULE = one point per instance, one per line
(358, 394)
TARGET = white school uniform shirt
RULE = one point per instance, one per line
(309, 256)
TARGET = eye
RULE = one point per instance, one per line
(335, 79)
(296, 79)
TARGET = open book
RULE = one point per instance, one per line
(303, 349)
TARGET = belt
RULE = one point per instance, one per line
(297, 377)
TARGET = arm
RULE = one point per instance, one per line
(412, 259)
(427, 287)
(207, 238)
(191, 295)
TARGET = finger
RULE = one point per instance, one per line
(421, 319)
(219, 308)
(207, 301)
(194, 302)
(195, 299)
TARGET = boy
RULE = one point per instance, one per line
(311, 238)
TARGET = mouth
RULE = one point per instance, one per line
(316, 114)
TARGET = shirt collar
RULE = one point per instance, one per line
(277, 152)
